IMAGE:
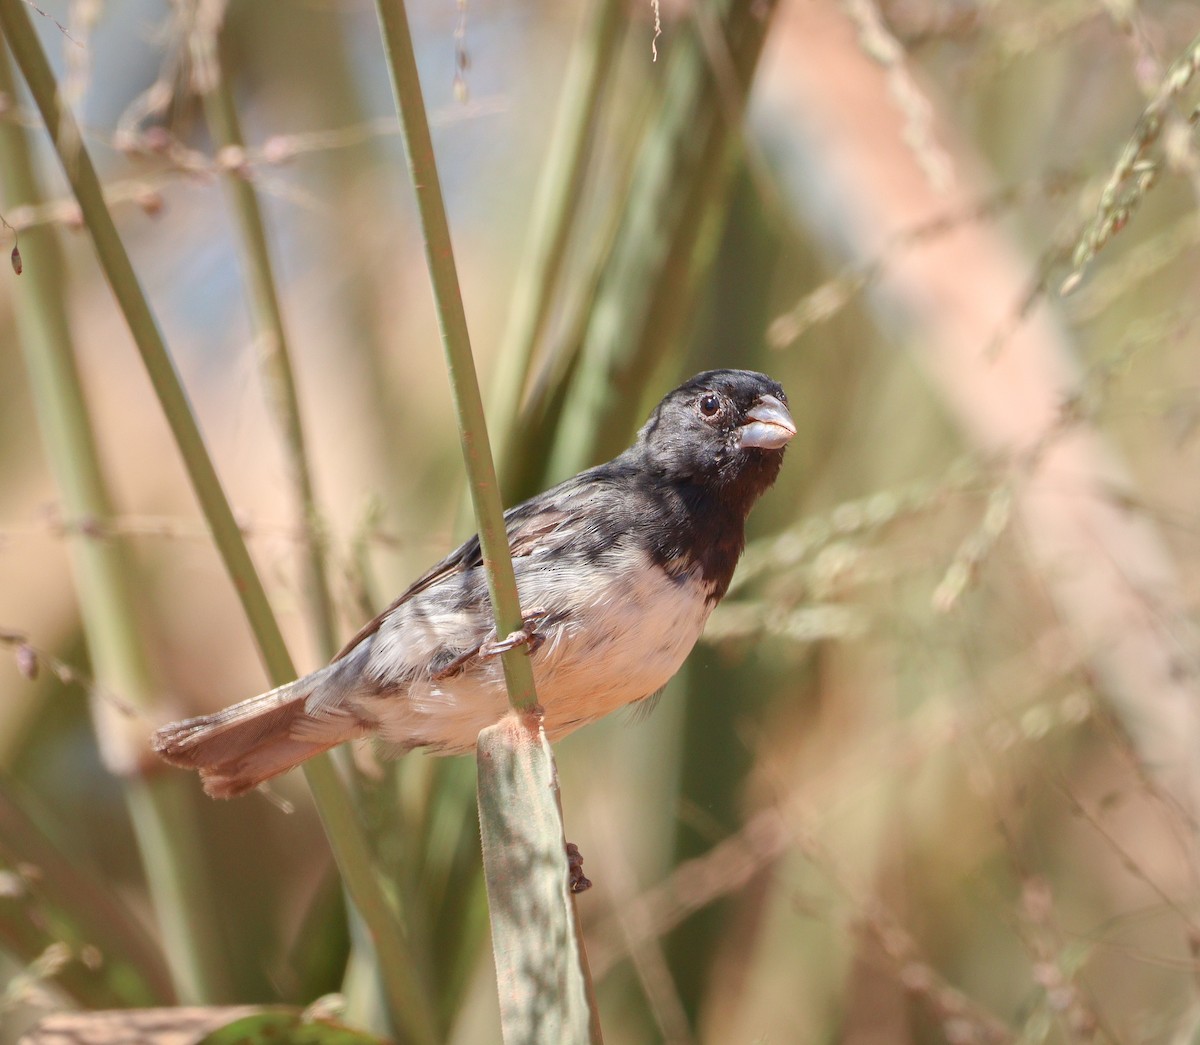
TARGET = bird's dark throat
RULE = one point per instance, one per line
(703, 529)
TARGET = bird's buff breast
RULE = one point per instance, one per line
(621, 642)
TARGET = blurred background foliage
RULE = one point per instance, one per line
(932, 775)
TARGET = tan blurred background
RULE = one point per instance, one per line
(933, 774)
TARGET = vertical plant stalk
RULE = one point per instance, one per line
(452, 320)
(550, 225)
(535, 928)
(266, 317)
(118, 270)
(162, 818)
(648, 284)
(408, 1001)
(536, 804)
(270, 337)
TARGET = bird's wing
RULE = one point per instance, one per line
(529, 525)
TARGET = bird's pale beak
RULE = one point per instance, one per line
(769, 427)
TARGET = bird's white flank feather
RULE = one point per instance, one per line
(623, 643)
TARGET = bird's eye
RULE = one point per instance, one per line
(710, 405)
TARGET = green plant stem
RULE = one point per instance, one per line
(118, 270)
(554, 206)
(574, 1004)
(275, 357)
(647, 289)
(452, 319)
(162, 818)
(269, 333)
(545, 992)
(408, 1001)
(409, 998)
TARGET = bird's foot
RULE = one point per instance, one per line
(577, 882)
(526, 635)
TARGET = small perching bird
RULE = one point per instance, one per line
(617, 571)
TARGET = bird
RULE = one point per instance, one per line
(617, 571)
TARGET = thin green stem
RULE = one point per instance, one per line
(647, 287)
(409, 998)
(554, 205)
(410, 1004)
(275, 357)
(568, 997)
(269, 331)
(159, 810)
(118, 270)
(472, 426)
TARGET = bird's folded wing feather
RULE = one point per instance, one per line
(529, 526)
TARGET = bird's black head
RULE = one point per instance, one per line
(724, 431)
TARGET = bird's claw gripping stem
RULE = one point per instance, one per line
(526, 635)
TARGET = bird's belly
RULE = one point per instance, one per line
(623, 641)
(621, 649)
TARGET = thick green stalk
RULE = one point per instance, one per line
(472, 427)
(409, 1003)
(535, 928)
(159, 809)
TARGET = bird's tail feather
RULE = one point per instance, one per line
(236, 749)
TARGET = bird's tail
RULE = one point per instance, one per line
(238, 748)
